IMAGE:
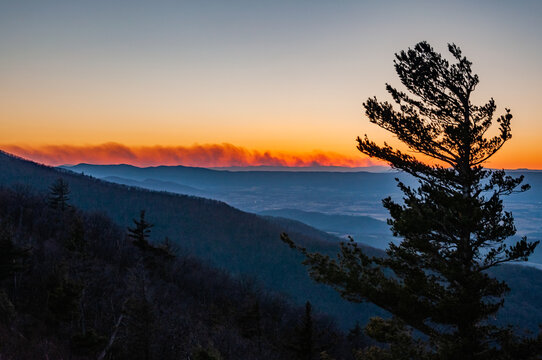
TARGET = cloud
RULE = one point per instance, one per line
(207, 155)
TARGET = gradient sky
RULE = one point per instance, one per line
(282, 77)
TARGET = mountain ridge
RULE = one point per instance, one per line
(233, 240)
(244, 243)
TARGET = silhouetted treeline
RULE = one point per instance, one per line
(74, 285)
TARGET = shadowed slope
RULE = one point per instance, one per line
(239, 242)
(244, 243)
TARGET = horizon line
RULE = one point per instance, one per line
(317, 160)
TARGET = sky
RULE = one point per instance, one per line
(218, 83)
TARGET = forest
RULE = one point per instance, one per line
(75, 285)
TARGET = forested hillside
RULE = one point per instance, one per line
(243, 243)
(74, 285)
(238, 242)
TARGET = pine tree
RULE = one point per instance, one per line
(302, 342)
(59, 195)
(141, 232)
(156, 258)
(435, 281)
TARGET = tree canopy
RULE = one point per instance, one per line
(453, 226)
(59, 193)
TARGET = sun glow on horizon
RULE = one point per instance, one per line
(276, 79)
(205, 155)
(217, 155)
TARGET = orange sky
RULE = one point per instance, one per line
(215, 155)
(281, 78)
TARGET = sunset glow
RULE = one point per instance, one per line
(215, 155)
(264, 83)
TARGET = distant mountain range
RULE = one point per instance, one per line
(248, 244)
(331, 193)
(158, 185)
(255, 191)
(239, 242)
(376, 168)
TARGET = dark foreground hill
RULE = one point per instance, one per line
(74, 286)
(244, 243)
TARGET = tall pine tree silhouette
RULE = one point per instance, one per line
(302, 341)
(453, 227)
(59, 193)
(141, 231)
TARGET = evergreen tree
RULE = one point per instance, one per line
(141, 232)
(59, 195)
(302, 342)
(435, 282)
(156, 258)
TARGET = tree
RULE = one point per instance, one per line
(58, 195)
(302, 341)
(311, 337)
(435, 282)
(155, 258)
(141, 232)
